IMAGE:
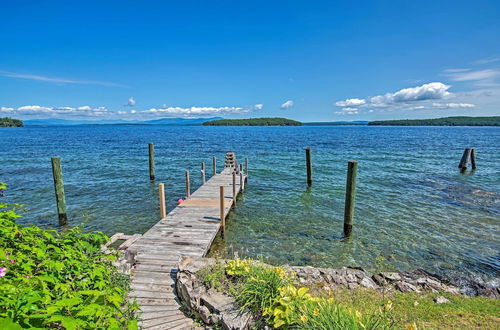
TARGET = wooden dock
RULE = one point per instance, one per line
(188, 230)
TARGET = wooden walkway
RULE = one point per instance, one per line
(188, 230)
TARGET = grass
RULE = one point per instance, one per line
(420, 309)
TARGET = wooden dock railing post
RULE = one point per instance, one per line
(309, 167)
(188, 185)
(59, 189)
(465, 160)
(241, 168)
(234, 188)
(151, 162)
(352, 172)
(202, 172)
(222, 211)
(214, 164)
(473, 158)
(163, 207)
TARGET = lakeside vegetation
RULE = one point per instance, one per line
(59, 280)
(253, 122)
(447, 121)
(277, 299)
(10, 122)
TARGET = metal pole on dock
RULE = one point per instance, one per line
(188, 185)
(473, 158)
(222, 215)
(151, 162)
(163, 207)
(202, 172)
(309, 167)
(59, 189)
(465, 160)
(352, 171)
(234, 188)
(214, 164)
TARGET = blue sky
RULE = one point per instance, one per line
(306, 60)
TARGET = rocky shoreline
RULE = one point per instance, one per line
(218, 308)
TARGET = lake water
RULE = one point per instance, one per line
(412, 206)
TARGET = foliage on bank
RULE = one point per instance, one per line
(447, 121)
(58, 280)
(253, 122)
(10, 122)
(272, 294)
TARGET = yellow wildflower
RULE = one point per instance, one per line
(303, 318)
(316, 312)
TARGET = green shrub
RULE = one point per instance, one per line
(61, 280)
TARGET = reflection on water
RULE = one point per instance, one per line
(412, 204)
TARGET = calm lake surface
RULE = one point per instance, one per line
(412, 206)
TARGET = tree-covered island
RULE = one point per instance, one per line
(253, 122)
(447, 121)
(9, 122)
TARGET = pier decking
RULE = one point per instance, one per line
(188, 230)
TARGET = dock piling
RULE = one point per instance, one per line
(309, 166)
(151, 161)
(59, 190)
(473, 158)
(242, 182)
(222, 215)
(214, 164)
(188, 185)
(352, 172)
(246, 166)
(465, 160)
(163, 207)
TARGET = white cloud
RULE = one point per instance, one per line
(57, 80)
(487, 60)
(347, 111)
(452, 105)
(431, 91)
(350, 102)
(131, 102)
(51, 111)
(473, 75)
(288, 104)
(258, 106)
(193, 111)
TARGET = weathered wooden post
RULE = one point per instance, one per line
(151, 162)
(234, 188)
(473, 158)
(59, 189)
(202, 172)
(188, 185)
(246, 166)
(242, 182)
(309, 167)
(214, 164)
(222, 212)
(352, 171)
(241, 168)
(465, 160)
(163, 207)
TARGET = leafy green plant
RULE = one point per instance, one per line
(61, 280)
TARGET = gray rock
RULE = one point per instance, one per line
(391, 276)
(441, 300)
(368, 283)
(406, 287)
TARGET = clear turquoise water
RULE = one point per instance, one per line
(412, 206)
